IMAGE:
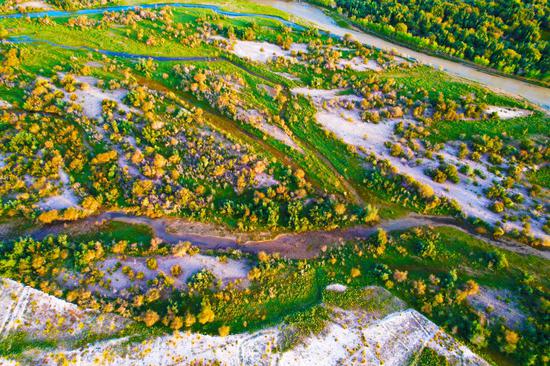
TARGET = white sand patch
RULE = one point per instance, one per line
(358, 64)
(4, 104)
(507, 113)
(127, 167)
(42, 316)
(348, 126)
(91, 97)
(36, 4)
(264, 180)
(352, 337)
(317, 94)
(395, 338)
(336, 287)
(64, 200)
(499, 304)
(257, 119)
(225, 271)
(262, 52)
(288, 76)
(95, 64)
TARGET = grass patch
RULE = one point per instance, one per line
(521, 128)
(540, 177)
(428, 357)
(114, 231)
(20, 342)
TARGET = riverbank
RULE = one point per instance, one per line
(303, 245)
(533, 93)
(337, 17)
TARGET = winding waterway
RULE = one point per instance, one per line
(536, 94)
(302, 245)
(291, 245)
(533, 93)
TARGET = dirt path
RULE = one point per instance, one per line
(348, 187)
(291, 245)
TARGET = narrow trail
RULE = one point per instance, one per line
(290, 245)
(346, 184)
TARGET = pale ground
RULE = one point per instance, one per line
(42, 316)
(337, 287)
(499, 304)
(507, 113)
(349, 127)
(257, 119)
(358, 64)
(119, 283)
(4, 104)
(2, 160)
(264, 52)
(36, 4)
(264, 180)
(64, 200)
(261, 51)
(288, 76)
(90, 98)
(350, 337)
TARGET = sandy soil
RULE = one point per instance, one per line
(349, 127)
(358, 64)
(42, 316)
(66, 199)
(336, 287)
(4, 104)
(352, 336)
(95, 64)
(36, 4)
(288, 76)
(119, 283)
(499, 304)
(264, 180)
(507, 113)
(256, 119)
(90, 98)
(262, 52)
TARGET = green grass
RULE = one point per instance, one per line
(540, 177)
(17, 343)
(428, 357)
(436, 82)
(305, 324)
(368, 299)
(114, 231)
(534, 126)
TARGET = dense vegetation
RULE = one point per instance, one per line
(228, 140)
(432, 269)
(508, 36)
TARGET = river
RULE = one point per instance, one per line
(301, 245)
(536, 94)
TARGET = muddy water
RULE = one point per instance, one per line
(533, 93)
(292, 245)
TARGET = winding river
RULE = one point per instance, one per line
(290, 245)
(300, 245)
(536, 94)
(533, 93)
